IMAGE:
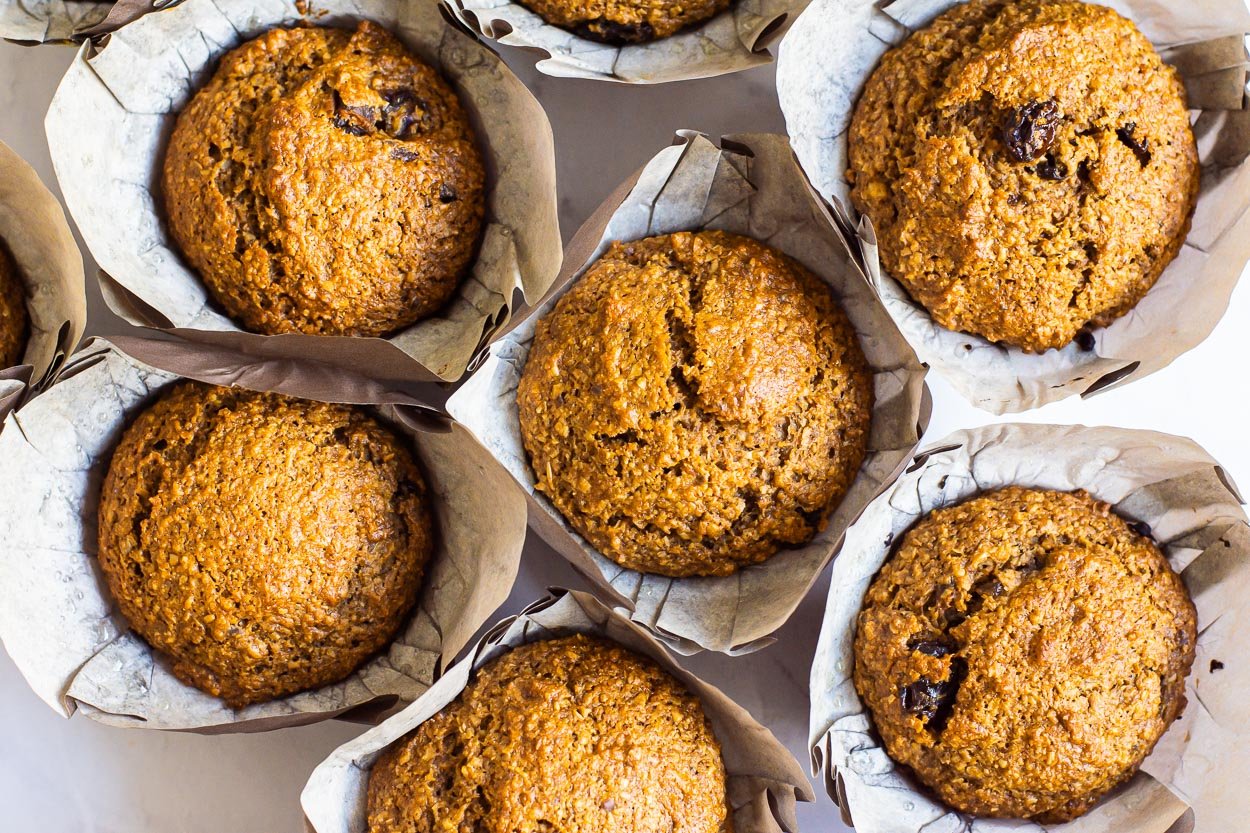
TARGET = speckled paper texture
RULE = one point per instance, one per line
(1195, 514)
(56, 618)
(751, 187)
(829, 54)
(110, 118)
(764, 780)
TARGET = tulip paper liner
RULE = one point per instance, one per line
(57, 619)
(751, 186)
(763, 779)
(61, 21)
(823, 65)
(1191, 782)
(112, 115)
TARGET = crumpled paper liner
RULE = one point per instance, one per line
(763, 779)
(57, 620)
(826, 59)
(112, 114)
(60, 21)
(751, 186)
(34, 229)
(736, 39)
(1192, 780)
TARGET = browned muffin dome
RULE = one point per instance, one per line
(1029, 167)
(570, 734)
(621, 22)
(265, 544)
(14, 320)
(694, 403)
(1023, 651)
(325, 181)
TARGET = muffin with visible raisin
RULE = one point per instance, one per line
(1023, 651)
(622, 22)
(14, 319)
(1029, 167)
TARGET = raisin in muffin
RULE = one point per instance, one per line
(1029, 167)
(574, 733)
(14, 320)
(621, 22)
(1023, 651)
(325, 181)
(694, 403)
(264, 544)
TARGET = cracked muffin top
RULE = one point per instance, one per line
(1023, 651)
(1029, 168)
(325, 181)
(621, 22)
(694, 403)
(569, 734)
(14, 319)
(264, 544)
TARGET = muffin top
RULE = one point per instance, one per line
(621, 22)
(325, 181)
(1023, 651)
(1029, 168)
(694, 403)
(14, 320)
(569, 734)
(265, 544)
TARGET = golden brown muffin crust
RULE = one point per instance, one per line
(576, 735)
(621, 22)
(1029, 167)
(265, 544)
(14, 319)
(325, 181)
(1023, 651)
(694, 403)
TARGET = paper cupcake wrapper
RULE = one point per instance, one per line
(113, 112)
(1191, 781)
(736, 39)
(751, 186)
(37, 235)
(49, 21)
(764, 781)
(58, 622)
(829, 54)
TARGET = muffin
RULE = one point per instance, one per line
(568, 734)
(1023, 651)
(14, 321)
(1029, 168)
(621, 22)
(694, 403)
(325, 181)
(265, 545)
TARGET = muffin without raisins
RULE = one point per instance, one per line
(621, 22)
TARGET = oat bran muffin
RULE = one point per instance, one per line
(264, 544)
(14, 320)
(1029, 167)
(694, 403)
(325, 181)
(621, 22)
(570, 734)
(1022, 652)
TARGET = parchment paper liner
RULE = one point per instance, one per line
(111, 116)
(826, 59)
(56, 617)
(1192, 782)
(753, 187)
(736, 39)
(37, 235)
(60, 21)
(764, 780)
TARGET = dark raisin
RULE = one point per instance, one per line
(989, 587)
(404, 155)
(357, 121)
(350, 126)
(1141, 528)
(1085, 340)
(1216, 665)
(1052, 169)
(1140, 147)
(933, 701)
(613, 33)
(404, 111)
(953, 618)
(938, 647)
(1030, 130)
(447, 194)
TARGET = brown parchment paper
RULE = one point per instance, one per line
(763, 779)
(826, 59)
(751, 186)
(61, 21)
(56, 618)
(1192, 780)
(112, 113)
(737, 38)
(34, 229)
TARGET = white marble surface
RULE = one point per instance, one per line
(73, 775)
